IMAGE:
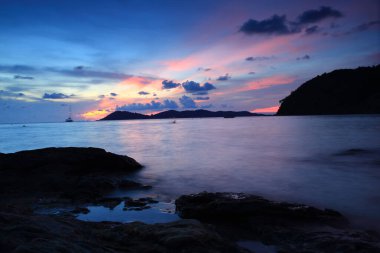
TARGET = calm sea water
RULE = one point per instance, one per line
(301, 159)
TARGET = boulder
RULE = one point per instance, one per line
(77, 174)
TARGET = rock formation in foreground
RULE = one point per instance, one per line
(345, 91)
(69, 174)
(74, 178)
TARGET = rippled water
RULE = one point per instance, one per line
(304, 159)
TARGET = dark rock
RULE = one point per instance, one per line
(345, 91)
(78, 174)
(83, 210)
(288, 227)
(131, 185)
(138, 204)
(148, 200)
(239, 206)
(35, 234)
(111, 203)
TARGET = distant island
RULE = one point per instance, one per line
(344, 91)
(171, 114)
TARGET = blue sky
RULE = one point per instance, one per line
(221, 55)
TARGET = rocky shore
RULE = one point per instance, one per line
(75, 178)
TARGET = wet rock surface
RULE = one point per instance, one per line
(289, 227)
(33, 233)
(138, 204)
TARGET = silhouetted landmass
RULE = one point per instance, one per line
(124, 115)
(344, 91)
(119, 115)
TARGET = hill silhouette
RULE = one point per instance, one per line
(125, 115)
(344, 91)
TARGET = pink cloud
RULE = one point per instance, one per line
(272, 109)
(266, 82)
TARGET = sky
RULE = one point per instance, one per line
(148, 56)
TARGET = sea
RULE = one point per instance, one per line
(324, 161)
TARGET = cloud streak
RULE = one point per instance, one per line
(23, 77)
(55, 96)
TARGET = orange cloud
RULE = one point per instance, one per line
(95, 114)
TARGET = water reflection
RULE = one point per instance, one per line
(284, 158)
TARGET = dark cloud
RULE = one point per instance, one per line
(364, 26)
(81, 72)
(274, 25)
(55, 96)
(101, 96)
(224, 78)
(314, 16)
(187, 102)
(166, 84)
(305, 57)
(259, 58)
(200, 93)
(194, 87)
(279, 25)
(16, 69)
(23, 77)
(143, 93)
(202, 98)
(206, 106)
(204, 69)
(17, 88)
(311, 30)
(166, 104)
(5, 93)
(79, 68)
(251, 73)
(154, 94)
(113, 94)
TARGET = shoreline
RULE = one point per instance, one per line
(75, 178)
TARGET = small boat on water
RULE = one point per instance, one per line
(69, 119)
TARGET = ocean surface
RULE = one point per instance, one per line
(325, 161)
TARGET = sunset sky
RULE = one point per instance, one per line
(149, 56)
